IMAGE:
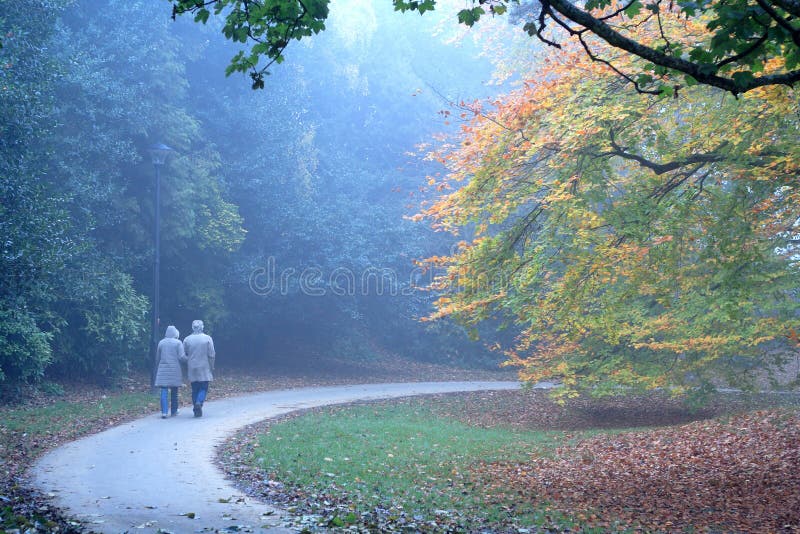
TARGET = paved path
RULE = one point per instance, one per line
(149, 474)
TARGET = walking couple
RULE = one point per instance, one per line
(196, 353)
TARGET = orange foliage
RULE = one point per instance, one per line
(635, 240)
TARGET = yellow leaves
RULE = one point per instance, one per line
(563, 369)
(559, 192)
(438, 261)
(446, 307)
(441, 302)
(606, 273)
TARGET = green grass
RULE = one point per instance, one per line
(68, 420)
(406, 460)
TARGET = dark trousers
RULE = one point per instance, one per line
(173, 393)
(199, 392)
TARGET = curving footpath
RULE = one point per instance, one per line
(156, 474)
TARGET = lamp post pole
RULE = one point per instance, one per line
(158, 153)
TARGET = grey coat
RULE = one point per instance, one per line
(169, 355)
(200, 357)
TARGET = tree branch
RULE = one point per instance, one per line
(761, 40)
(661, 168)
(783, 23)
(607, 63)
(790, 6)
(699, 72)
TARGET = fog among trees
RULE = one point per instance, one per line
(496, 181)
(282, 211)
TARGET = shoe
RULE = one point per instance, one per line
(163, 416)
(198, 410)
(176, 412)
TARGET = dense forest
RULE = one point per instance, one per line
(611, 205)
(282, 211)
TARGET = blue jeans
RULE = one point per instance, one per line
(199, 392)
(174, 399)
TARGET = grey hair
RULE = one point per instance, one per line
(197, 326)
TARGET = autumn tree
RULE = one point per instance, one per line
(637, 243)
(734, 41)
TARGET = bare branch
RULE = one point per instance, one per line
(661, 168)
(635, 83)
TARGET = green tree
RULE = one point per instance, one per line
(79, 109)
(320, 188)
(133, 90)
(38, 236)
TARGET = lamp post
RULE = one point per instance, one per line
(158, 155)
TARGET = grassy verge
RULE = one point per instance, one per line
(27, 432)
(67, 419)
(516, 462)
(402, 466)
(472, 470)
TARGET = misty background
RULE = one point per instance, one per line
(282, 209)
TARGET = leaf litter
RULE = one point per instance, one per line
(739, 472)
(33, 511)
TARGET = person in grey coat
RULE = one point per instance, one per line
(169, 376)
(200, 357)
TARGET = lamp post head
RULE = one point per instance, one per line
(159, 153)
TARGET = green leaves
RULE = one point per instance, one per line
(270, 27)
(469, 17)
(25, 348)
(635, 7)
(597, 4)
(420, 6)
(722, 37)
(743, 79)
(202, 15)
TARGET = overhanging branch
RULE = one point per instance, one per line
(703, 73)
(661, 168)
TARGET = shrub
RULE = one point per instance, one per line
(24, 349)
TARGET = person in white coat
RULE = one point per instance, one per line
(169, 376)
(200, 357)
